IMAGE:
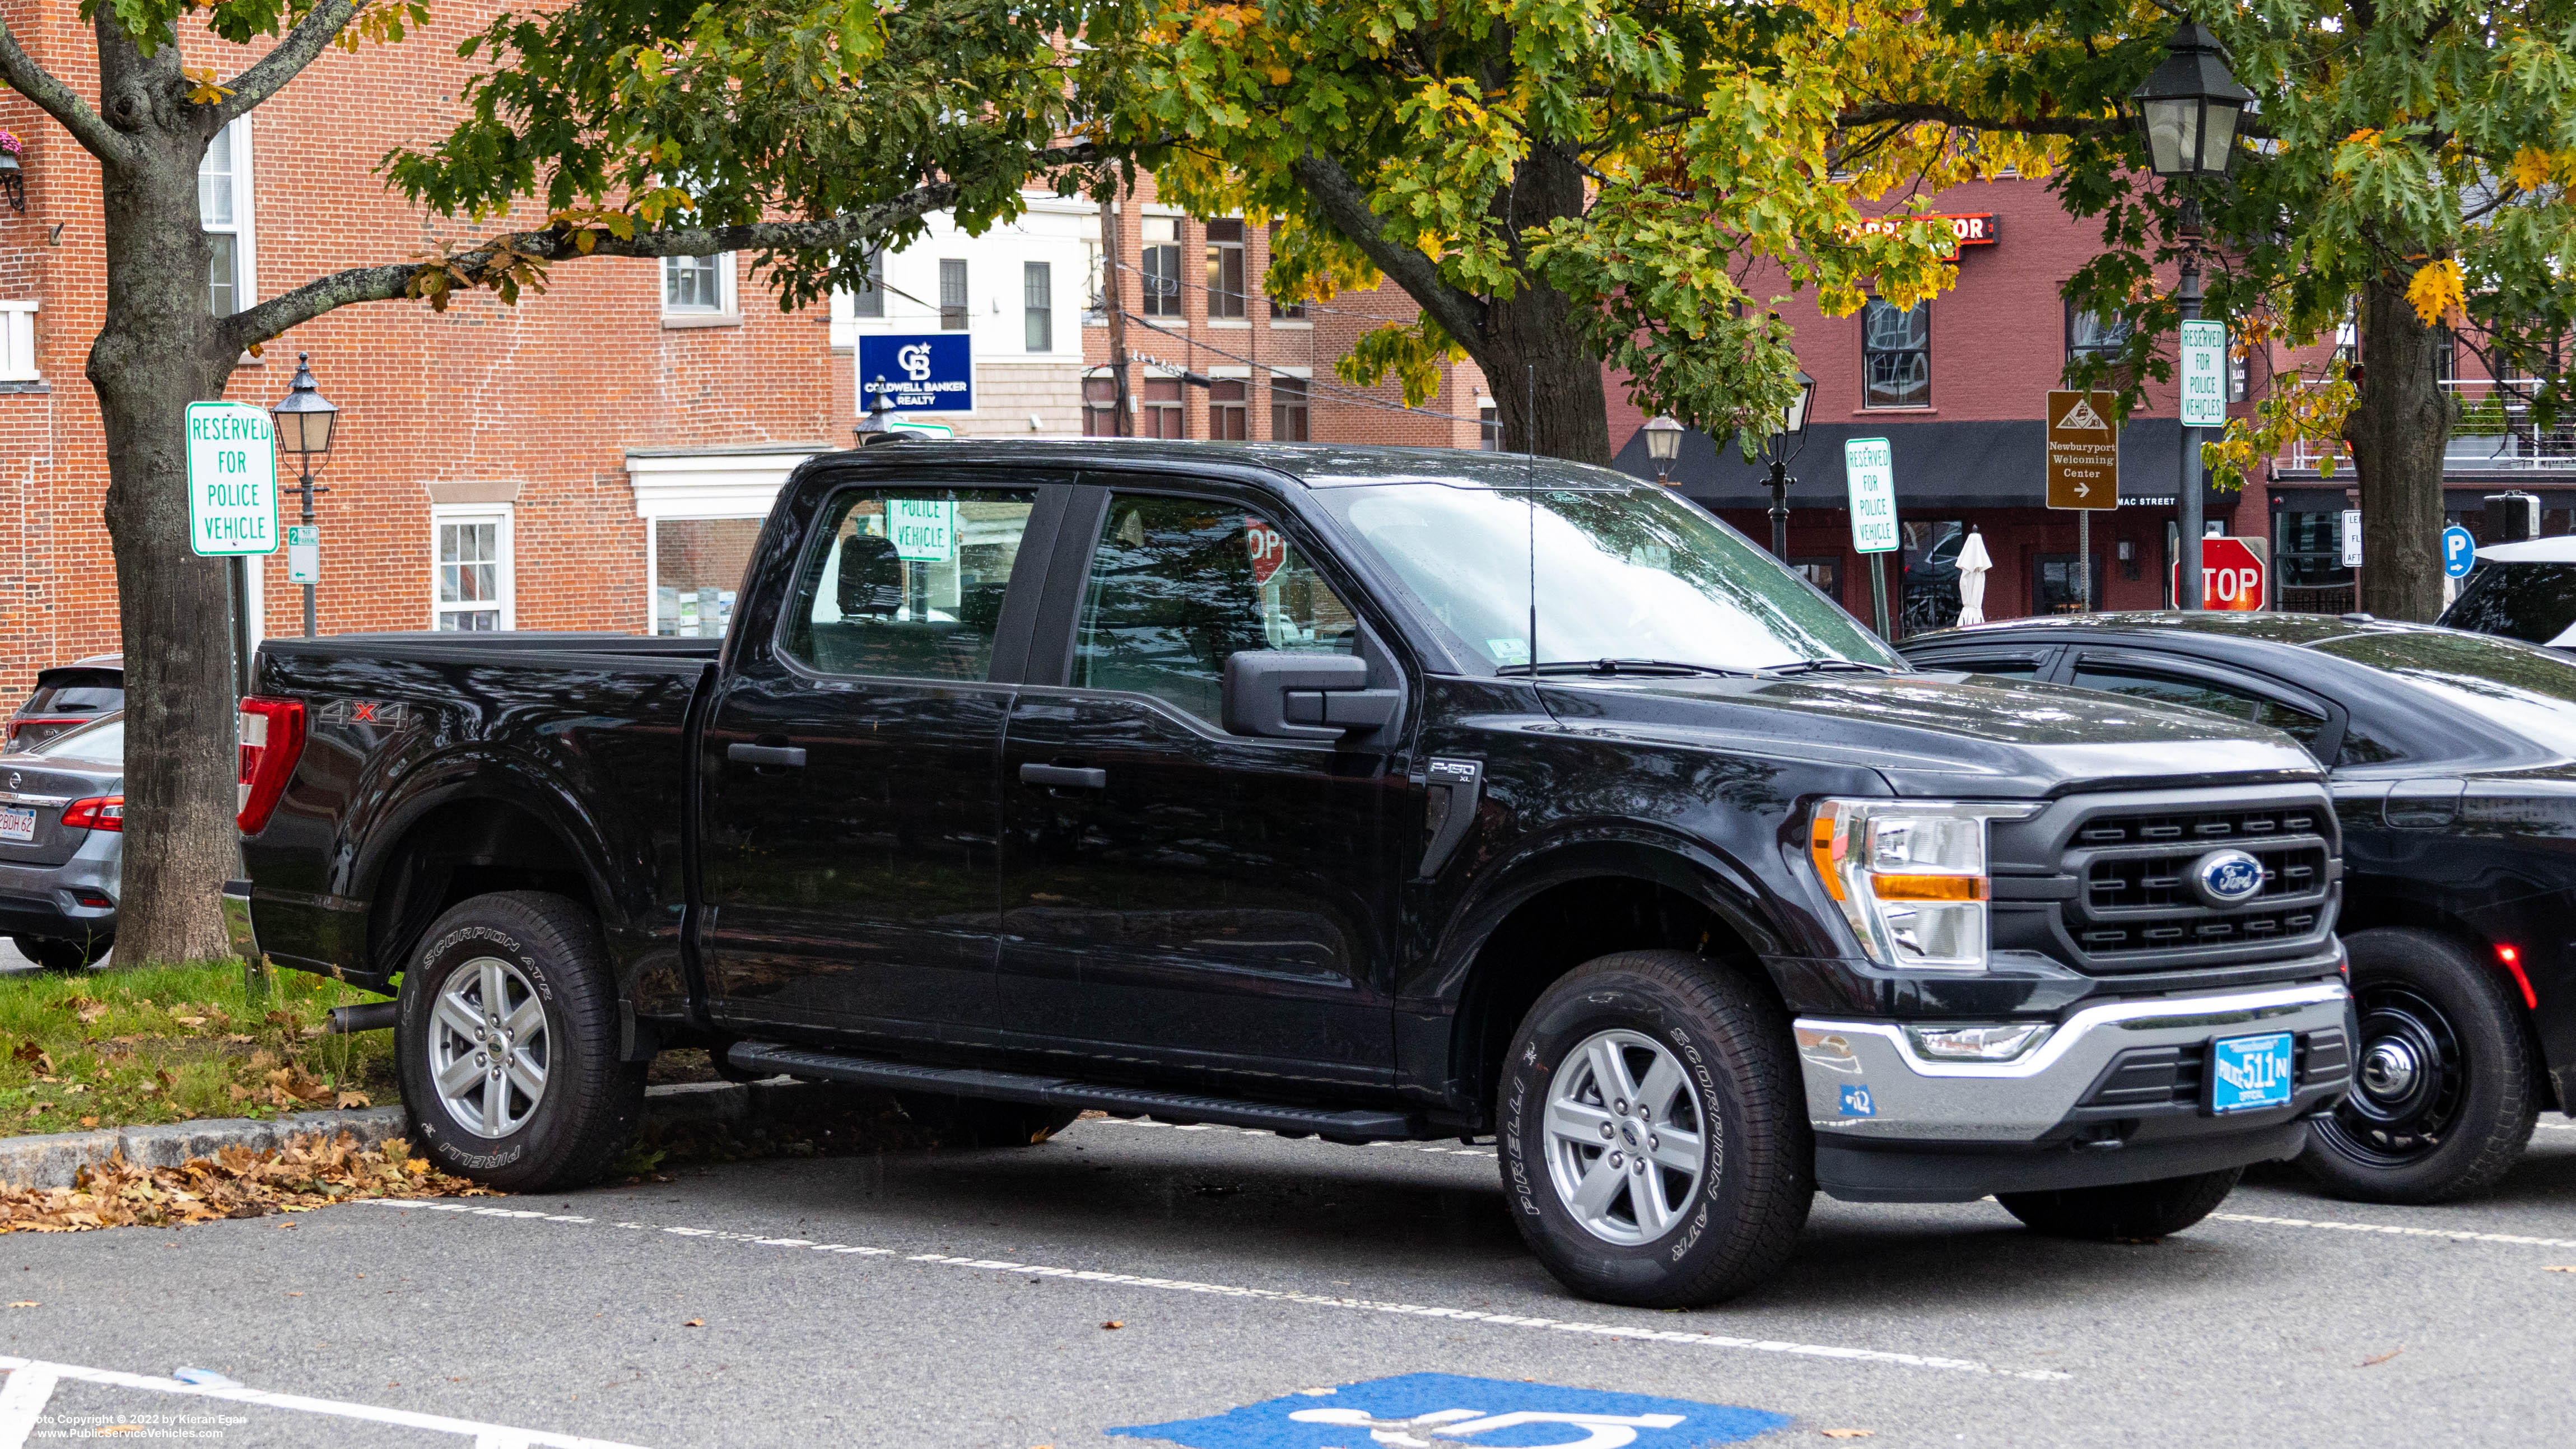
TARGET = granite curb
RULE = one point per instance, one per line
(55, 1160)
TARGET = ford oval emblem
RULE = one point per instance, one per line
(2227, 877)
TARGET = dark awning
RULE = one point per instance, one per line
(1940, 466)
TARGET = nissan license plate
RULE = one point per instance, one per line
(17, 824)
(2248, 1073)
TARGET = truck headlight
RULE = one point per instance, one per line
(1910, 876)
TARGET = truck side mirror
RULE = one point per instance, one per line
(1286, 696)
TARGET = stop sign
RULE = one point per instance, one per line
(2231, 575)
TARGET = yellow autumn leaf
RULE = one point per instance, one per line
(2530, 169)
(1279, 75)
(2435, 292)
(202, 88)
(2362, 136)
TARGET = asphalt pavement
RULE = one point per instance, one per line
(1128, 1275)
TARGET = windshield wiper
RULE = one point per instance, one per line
(1822, 666)
(1622, 666)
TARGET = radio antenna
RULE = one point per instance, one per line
(1529, 485)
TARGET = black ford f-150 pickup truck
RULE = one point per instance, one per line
(1367, 794)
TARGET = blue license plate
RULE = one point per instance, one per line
(2248, 1073)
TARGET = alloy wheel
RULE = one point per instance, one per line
(488, 1047)
(1624, 1137)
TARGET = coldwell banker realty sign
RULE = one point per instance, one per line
(232, 479)
(925, 373)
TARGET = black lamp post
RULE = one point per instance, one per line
(1663, 444)
(1785, 443)
(2188, 113)
(304, 422)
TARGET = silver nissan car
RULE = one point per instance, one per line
(62, 824)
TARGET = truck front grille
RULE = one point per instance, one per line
(2105, 882)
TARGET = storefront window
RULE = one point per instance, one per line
(2308, 552)
(1931, 574)
(2057, 584)
(697, 565)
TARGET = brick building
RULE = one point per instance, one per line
(1959, 385)
(494, 467)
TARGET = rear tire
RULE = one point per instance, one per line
(50, 954)
(2131, 1212)
(1653, 1131)
(2444, 1093)
(982, 1122)
(511, 991)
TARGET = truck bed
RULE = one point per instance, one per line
(440, 763)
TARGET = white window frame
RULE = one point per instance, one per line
(728, 309)
(505, 545)
(18, 342)
(243, 228)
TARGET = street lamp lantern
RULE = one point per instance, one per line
(305, 417)
(1793, 423)
(1663, 444)
(2189, 108)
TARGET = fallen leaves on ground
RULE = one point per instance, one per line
(2570, 1268)
(26, 1303)
(1849, 1433)
(695, 1323)
(235, 1183)
(2375, 1360)
(1115, 1323)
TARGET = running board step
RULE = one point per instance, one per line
(1178, 1108)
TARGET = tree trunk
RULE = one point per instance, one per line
(153, 357)
(2399, 429)
(1535, 332)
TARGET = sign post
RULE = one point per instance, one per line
(2083, 467)
(2231, 575)
(1869, 472)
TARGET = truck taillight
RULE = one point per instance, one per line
(98, 812)
(272, 740)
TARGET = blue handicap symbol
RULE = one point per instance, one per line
(2459, 551)
(1857, 1103)
(1446, 1409)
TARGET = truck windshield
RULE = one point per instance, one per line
(2535, 602)
(1621, 574)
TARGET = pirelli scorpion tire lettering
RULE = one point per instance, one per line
(1653, 1131)
(507, 1048)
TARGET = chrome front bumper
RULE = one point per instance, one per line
(1866, 1082)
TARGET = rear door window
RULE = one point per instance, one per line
(2193, 691)
(910, 583)
(2533, 602)
(1177, 584)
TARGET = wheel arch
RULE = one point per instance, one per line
(1552, 908)
(464, 840)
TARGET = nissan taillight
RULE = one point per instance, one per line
(98, 812)
(272, 740)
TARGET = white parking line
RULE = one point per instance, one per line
(2454, 1234)
(1274, 1295)
(32, 1383)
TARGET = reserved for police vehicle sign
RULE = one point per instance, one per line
(232, 479)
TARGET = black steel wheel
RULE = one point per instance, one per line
(2442, 1096)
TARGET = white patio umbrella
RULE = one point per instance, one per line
(1973, 563)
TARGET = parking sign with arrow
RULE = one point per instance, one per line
(2083, 451)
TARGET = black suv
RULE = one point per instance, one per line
(1364, 794)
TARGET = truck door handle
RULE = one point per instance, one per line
(1067, 776)
(766, 755)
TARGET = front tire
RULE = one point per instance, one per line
(507, 1047)
(2443, 1097)
(2131, 1212)
(1654, 1141)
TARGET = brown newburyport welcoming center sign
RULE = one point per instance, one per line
(2083, 451)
